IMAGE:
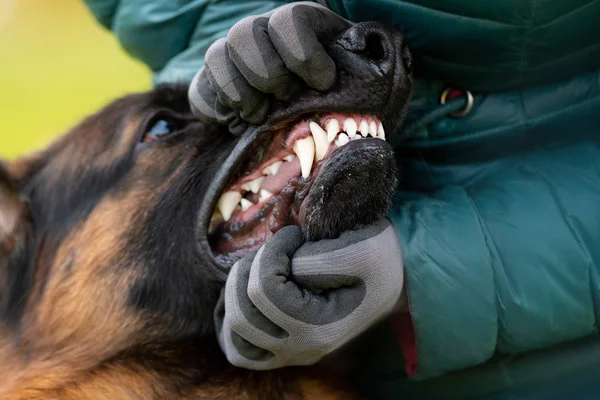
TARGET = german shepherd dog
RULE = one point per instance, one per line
(116, 239)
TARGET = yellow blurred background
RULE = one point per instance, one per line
(57, 65)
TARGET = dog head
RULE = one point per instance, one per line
(321, 161)
(115, 237)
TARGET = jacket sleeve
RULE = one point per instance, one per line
(171, 37)
(508, 263)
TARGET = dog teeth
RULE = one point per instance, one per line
(289, 158)
(350, 127)
(363, 128)
(254, 185)
(320, 138)
(273, 168)
(305, 150)
(246, 204)
(342, 140)
(380, 131)
(373, 129)
(264, 195)
(333, 128)
(227, 203)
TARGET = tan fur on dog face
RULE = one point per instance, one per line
(103, 292)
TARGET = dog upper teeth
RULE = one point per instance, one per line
(264, 195)
(246, 204)
(333, 128)
(342, 140)
(380, 131)
(320, 138)
(363, 128)
(350, 127)
(254, 185)
(227, 203)
(305, 150)
(373, 129)
(273, 168)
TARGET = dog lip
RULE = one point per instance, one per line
(251, 140)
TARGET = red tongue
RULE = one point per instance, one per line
(287, 171)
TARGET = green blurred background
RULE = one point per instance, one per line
(57, 65)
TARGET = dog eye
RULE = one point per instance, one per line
(159, 130)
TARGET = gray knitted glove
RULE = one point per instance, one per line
(268, 53)
(291, 303)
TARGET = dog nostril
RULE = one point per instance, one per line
(374, 47)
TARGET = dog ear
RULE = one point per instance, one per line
(13, 210)
(15, 225)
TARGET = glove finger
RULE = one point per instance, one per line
(277, 294)
(206, 106)
(371, 261)
(202, 98)
(239, 351)
(227, 116)
(230, 86)
(350, 253)
(255, 56)
(331, 279)
(296, 30)
(246, 331)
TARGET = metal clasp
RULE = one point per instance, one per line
(451, 94)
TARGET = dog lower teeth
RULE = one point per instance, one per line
(342, 140)
(264, 195)
(246, 204)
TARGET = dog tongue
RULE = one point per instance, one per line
(287, 171)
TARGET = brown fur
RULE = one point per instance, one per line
(77, 321)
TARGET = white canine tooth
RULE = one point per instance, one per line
(373, 129)
(320, 138)
(363, 128)
(333, 128)
(264, 195)
(305, 150)
(246, 204)
(380, 131)
(289, 158)
(227, 203)
(254, 185)
(273, 168)
(342, 140)
(350, 127)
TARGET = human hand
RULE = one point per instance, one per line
(291, 302)
(268, 54)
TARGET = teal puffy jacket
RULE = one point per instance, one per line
(499, 213)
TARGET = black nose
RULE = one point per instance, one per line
(378, 44)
